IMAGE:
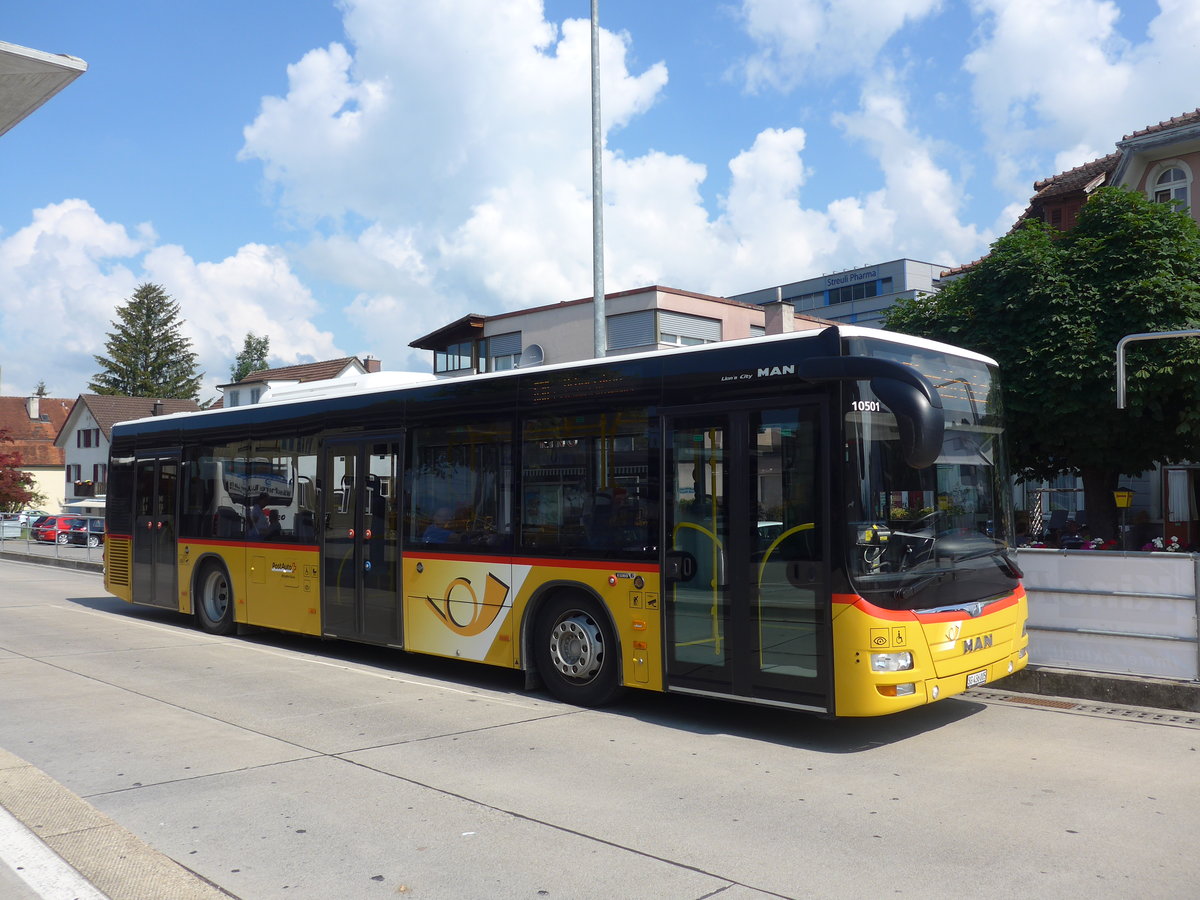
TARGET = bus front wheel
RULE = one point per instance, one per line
(576, 651)
(215, 609)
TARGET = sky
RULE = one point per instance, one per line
(345, 177)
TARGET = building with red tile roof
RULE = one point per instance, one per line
(1162, 161)
(33, 423)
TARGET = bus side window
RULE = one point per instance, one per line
(589, 484)
(459, 484)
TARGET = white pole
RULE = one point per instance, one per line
(601, 337)
(1145, 336)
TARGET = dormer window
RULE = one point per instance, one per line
(1172, 186)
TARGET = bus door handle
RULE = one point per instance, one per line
(680, 566)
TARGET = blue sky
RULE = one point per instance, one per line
(345, 177)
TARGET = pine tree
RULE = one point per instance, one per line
(252, 358)
(147, 355)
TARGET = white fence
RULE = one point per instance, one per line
(1122, 613)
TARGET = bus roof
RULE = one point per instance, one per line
(384, 382)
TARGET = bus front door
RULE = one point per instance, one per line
(360, 596)
(155, 573)
(745, 567)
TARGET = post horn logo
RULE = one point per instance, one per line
(461, 609)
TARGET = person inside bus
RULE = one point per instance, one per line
(439, 531)
(260, 522)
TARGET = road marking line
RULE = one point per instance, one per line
(39, 866)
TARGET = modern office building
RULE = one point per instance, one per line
(854, 296)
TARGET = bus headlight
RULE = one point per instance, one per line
(891, 662)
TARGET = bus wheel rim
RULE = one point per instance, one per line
(577, 647)
(216, 597)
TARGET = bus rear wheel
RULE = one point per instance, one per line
(215, 609)
(576, 651)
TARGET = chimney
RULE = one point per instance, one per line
(371, 364)
(158, 408)
(779, 316)
(34, 406)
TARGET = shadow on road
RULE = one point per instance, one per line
(696, 715)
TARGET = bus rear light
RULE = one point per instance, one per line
(901, 661)
(897, 690)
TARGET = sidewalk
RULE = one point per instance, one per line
(57, 846)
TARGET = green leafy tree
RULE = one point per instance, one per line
(147, 353)
(16, 486)
(252, 358)
(1051, 308)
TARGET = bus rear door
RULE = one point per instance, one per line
(745, 567)
(155, 504)
(360, 596)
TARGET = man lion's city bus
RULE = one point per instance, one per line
(817, 520)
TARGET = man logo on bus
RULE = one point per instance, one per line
(776, 370)
(970, 645)
(461, 609)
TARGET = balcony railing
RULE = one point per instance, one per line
(88, 488)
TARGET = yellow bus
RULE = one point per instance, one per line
(818, 520)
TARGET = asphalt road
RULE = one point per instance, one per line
(270, 766)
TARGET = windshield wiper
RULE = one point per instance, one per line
(904, 592)
(999, 557)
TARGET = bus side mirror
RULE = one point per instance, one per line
(908, 394)
(921, 424)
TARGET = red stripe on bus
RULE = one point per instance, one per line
(907, 615)
(597, 564)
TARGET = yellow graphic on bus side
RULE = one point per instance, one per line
(466, 615)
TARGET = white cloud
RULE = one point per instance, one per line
(63, 276)
(1056, 84)
(918, 212)
(440, 103)
(821, 39)
(252, 291)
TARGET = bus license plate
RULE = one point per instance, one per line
(975, 679)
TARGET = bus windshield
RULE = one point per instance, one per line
(935, 537)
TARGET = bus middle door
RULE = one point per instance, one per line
(360, 557)
(745, 570)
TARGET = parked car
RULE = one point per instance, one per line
(88, 531)
(29, 516)
(57, 529)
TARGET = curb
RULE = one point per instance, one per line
(86, 565)
(113, 860)
(1128, 690)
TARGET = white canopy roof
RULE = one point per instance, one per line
(28, 78)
